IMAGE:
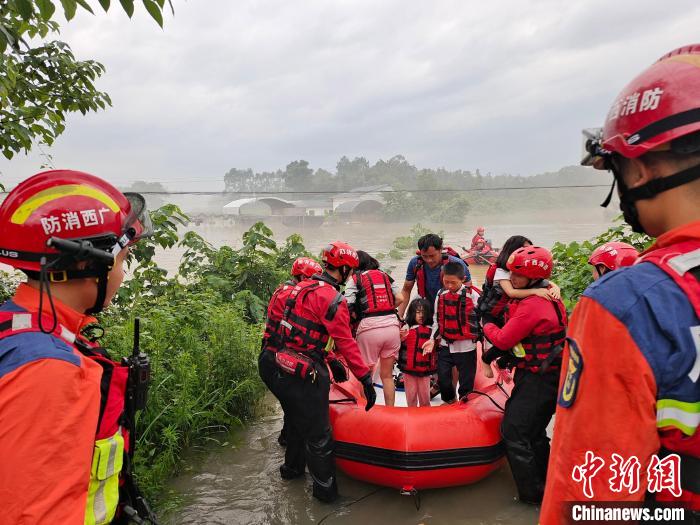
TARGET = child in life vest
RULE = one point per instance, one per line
(498, 292)
(416, 365)
(455, 328)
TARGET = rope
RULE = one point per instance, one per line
(345, 506)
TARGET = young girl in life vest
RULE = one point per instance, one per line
(498, 292)
(416, 366)
(372, 297)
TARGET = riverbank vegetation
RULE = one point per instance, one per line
(571, 269)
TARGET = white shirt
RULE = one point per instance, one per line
(500, 275)
(456, 347)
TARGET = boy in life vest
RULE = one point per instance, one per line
(536, 329)
(66, 437)
(302, 268)
(316, 311)
(416, 365)
(455, 327)
(425, 270)
(611, 256)
(372, 297)
(643, 319)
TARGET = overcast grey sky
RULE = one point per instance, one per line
(503, 86)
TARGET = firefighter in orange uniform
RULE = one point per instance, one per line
(629, 385)
(315, 311)
(66, 435)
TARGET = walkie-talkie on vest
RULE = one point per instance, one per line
(139, 372)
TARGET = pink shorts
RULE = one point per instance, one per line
(379, 337)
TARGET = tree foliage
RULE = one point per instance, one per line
(571, 270)
(41, 81)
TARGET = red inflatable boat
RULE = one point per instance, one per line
(418, 448)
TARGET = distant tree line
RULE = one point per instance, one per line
(420, 198)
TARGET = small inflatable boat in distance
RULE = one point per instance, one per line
(418, 448)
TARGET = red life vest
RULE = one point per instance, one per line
(374, 294)
(682, 263)
(412, 361)
(275, 310)
(420, 273)
(111, 438)
(543, 352)
(493, 300)
(457, 320)
(298, 331)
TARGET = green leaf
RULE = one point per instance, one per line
(25, 8)
(69, 7)
(46, 8)
(154, 11)
(128, 6)
(104, 4)
(85, 6)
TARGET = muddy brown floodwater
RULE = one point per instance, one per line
(240, 483)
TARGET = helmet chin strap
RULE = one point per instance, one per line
(649, 190)
(102, 280)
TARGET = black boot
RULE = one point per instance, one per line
(289, 473)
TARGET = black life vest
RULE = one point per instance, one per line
(420, 273)
(540, 353)
(493, 301)
(457, 320)
(374, 294)
(412, 361)
(300, 333)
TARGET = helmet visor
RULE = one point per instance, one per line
(593, 152)
(138, 223)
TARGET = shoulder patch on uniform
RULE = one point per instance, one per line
(574, 367)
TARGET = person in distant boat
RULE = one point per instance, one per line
(425, 270)
(479, 236)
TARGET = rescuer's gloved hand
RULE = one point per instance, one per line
(368, 387)
(338, 370)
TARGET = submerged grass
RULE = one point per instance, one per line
(204, 378)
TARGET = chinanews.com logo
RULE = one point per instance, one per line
(624, 477)
(609, 512)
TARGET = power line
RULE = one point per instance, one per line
(253, 194)
(415, 190)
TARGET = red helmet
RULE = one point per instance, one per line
(306, 267)
(480, 229)
(614, 255)
(659, 105)
(532, 262)
(339, 254)
(66, 205)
